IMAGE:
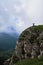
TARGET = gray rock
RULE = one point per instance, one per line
(35, 51)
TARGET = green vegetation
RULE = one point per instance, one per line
(31, 34)
(30, 62)
(34, 28)
(5, 55)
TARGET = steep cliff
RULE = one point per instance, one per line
(29, 44)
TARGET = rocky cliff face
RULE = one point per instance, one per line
(29, 44)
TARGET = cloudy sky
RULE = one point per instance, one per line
(20, 14)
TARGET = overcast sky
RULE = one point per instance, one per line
(20, 14)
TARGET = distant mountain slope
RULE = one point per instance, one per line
(8, 41)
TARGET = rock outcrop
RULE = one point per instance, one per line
(29, 44)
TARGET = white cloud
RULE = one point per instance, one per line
(20, 13)
(35, 10)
